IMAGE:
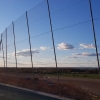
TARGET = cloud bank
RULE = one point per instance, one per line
(86, 54)
(44, 48)
(26, 52)
(72, 57)
(87, 46)
(65, 46)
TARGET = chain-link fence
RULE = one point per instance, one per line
(49, 44)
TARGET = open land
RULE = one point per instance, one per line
(78, 86)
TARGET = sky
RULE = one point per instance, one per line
(10, 10)
(72, 30)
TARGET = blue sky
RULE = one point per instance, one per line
(10, 10)
(72, 30)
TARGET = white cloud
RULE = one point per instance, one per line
(44, 48)
(73, 57)
(65, 46)
(86, 54)
(87, 46)
(25, 52)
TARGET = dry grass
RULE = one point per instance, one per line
(66, 90)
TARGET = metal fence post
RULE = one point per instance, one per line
(3, 57)
(6, 54)
(30, 45)
(3, 52)
(53, 45)
(0, 44)
(93, 28)
(15, 49)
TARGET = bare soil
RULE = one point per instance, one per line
(78, 88)
(90, 85)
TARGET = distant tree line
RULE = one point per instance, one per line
(51, 70)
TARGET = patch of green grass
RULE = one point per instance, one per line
(76, 75)
(82, 75)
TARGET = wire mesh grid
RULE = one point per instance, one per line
(45, 42)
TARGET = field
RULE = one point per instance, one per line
(88, 84)
(76, 75)
(80, 86)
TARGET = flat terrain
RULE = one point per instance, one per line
(90, 85)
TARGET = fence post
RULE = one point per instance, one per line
(6, 47)
(93, 28)
(15, 48)
(2, 50)
(0, 44)
(53, 45)
(30, 45)
(3, 58)
(6, 54)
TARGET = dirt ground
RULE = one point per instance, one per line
(90, 85)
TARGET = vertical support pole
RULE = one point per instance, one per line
(30, 45)
(53, 44)
(3, 54)
(15, 48)
(0, 44)
(93, 28)
(6, 54)
(3, 58)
